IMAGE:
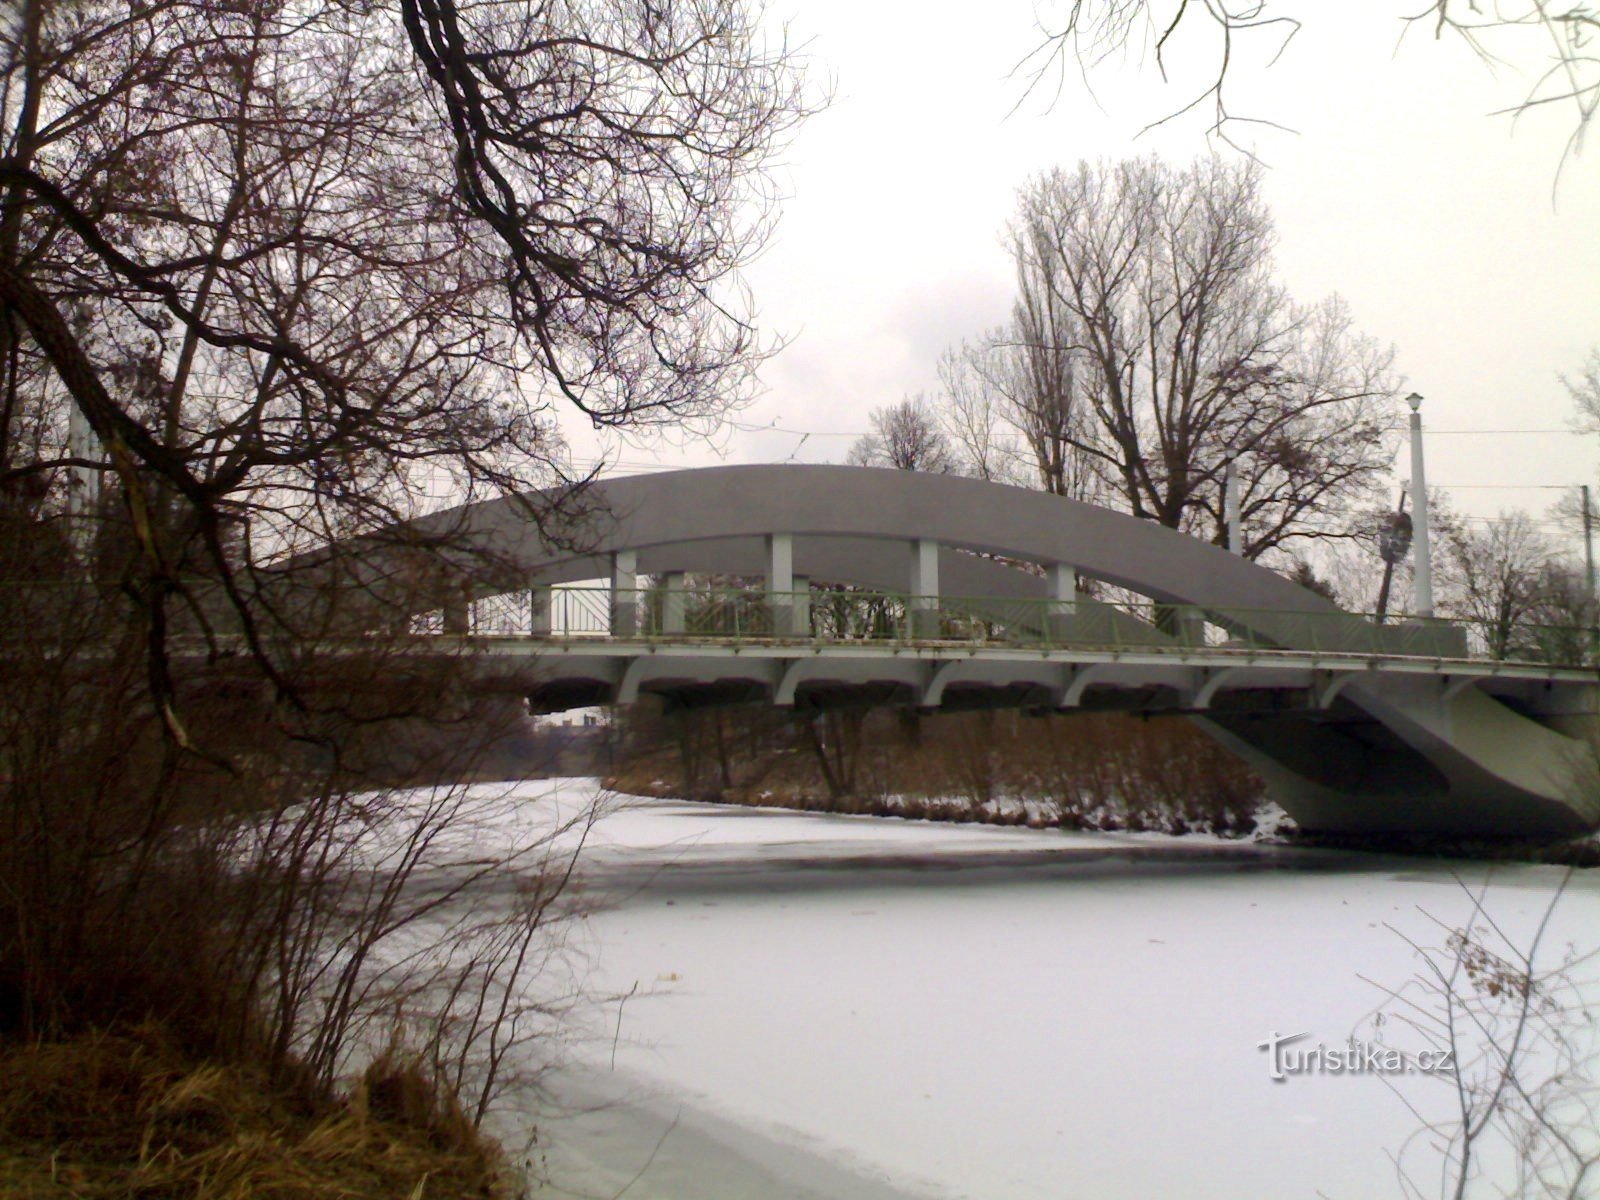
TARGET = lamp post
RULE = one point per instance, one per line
(83, 483)
(1423, 598)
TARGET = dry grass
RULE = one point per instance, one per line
(127, 1115)
(1081, 771)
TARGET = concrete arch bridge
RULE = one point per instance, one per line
(865, 586)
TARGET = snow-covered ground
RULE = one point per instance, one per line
(858, 1008)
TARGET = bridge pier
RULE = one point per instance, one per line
(673, 613)
(625, 594)
(539, 624)
(458, 614)
(1061, 609)
(923, 606)
(802, 606)
(780, 583)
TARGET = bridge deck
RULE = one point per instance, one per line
(665, 640)
(928, 671)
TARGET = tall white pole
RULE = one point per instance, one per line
(83, 489)
(1423, 563)
(1588, 545)
(83, 482)
(1230, 507)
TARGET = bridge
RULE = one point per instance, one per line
(858, 586)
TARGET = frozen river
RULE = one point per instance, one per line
(853, 1008)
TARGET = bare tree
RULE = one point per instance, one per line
(286, 276)
(297, 268)
(1507, 1031)
(1042, 372)
(1561, 46)
(1168, 351)
(1023, 379)
(1495, 579)
(972, 414)
(905, 436)
(617, 271)
(1585, 392)
(1564, 623)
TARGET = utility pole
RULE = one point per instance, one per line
(1588, 545)
(1423, 598)
(1593, 613)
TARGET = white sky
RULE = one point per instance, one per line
(1441, 225)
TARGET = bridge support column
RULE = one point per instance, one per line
(1191, 628)
(923, 614)
(802, 606)
(672, 603)
(1061, 606)
(624, 594)
(539, 610)
(458, 614)
(780, 583)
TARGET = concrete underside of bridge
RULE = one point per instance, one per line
(1468, 766)
(1409, 755)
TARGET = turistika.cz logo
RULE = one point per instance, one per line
(1355, 1057)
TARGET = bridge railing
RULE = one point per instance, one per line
(857, 616)
(830, 615)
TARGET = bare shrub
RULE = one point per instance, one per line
(1093, 771)
(274, 281)
(1513, 1028)
(286, 898)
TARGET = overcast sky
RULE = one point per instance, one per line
(1443, 227)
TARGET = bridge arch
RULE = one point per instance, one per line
(729, 512)
(865, 525)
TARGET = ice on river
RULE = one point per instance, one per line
(865, 1008)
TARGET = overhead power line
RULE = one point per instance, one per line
(750, 427)
(1496, 432)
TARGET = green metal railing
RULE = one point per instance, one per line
(80, 612)
(856, 616)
